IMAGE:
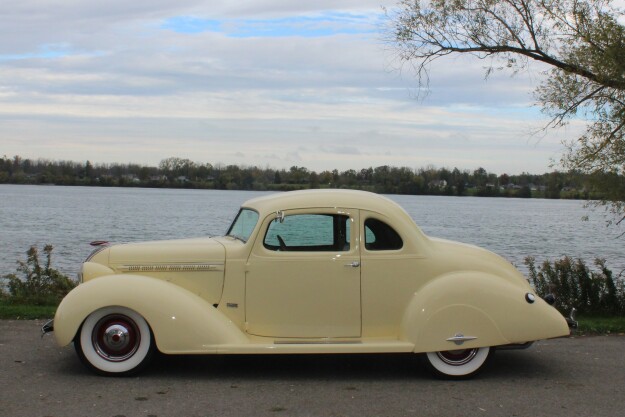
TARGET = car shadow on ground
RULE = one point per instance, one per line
(503, 364)
(324, 366)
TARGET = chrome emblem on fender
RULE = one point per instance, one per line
(459, 338)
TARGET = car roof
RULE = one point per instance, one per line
(326, 198)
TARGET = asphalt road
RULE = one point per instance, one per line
(581, 376)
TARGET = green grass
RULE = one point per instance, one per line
(25, 312)
(601, 325)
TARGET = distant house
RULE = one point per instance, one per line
(182, 179)
(131, 178)
(440, 184)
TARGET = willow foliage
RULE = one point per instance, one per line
(582, 42)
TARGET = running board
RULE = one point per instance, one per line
(318, 346)
(317, 342)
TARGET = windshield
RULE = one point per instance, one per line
(243, 224)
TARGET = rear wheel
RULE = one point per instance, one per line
(457, 364)
(114, 341)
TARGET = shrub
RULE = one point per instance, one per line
(575, 285)
(38, 285)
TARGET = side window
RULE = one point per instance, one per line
(309, 232)
(381, 236)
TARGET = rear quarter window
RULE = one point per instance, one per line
(380, 236)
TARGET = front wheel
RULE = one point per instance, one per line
(114, 341)
(457, 364)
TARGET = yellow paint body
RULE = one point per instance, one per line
(223, 295)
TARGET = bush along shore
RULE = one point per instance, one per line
(596, 294)
(35, 290)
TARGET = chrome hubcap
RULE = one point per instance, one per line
(116, 338)
(457, 357)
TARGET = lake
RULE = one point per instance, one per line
(71, 217)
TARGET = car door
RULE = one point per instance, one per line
(390, 275)
(303, 276)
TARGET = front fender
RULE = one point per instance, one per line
(474, 304)
(181, 321)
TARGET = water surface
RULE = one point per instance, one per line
(71, 217)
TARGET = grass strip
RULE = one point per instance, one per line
(601, 325)
(26, 312)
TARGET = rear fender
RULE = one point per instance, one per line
(181, 321)
(476, 309)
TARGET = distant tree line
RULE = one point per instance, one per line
(183, 173)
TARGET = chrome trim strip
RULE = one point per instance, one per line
(171, 268)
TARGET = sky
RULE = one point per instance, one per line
(271, 83)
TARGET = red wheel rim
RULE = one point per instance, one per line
(116, 337)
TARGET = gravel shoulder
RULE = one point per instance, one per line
(580, 376)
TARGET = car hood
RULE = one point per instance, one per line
(175, 252)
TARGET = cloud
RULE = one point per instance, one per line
(340, 150)
(144, 80)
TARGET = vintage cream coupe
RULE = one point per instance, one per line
(303, 272)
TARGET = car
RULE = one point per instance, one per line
(303, 272)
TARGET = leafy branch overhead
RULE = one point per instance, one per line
(581, 41)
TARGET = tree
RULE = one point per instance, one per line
(581, 41)
(88, 170)
(174, 167)
(480, 176)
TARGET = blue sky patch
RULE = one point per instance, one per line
(190, 24)
(45, 52)
(325, 24)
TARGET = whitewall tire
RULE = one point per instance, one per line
(457, 364)
(114, 341)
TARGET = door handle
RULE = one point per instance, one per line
(354, 264)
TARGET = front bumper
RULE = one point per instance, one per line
(47, 327)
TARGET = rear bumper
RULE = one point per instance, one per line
(570, 320)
